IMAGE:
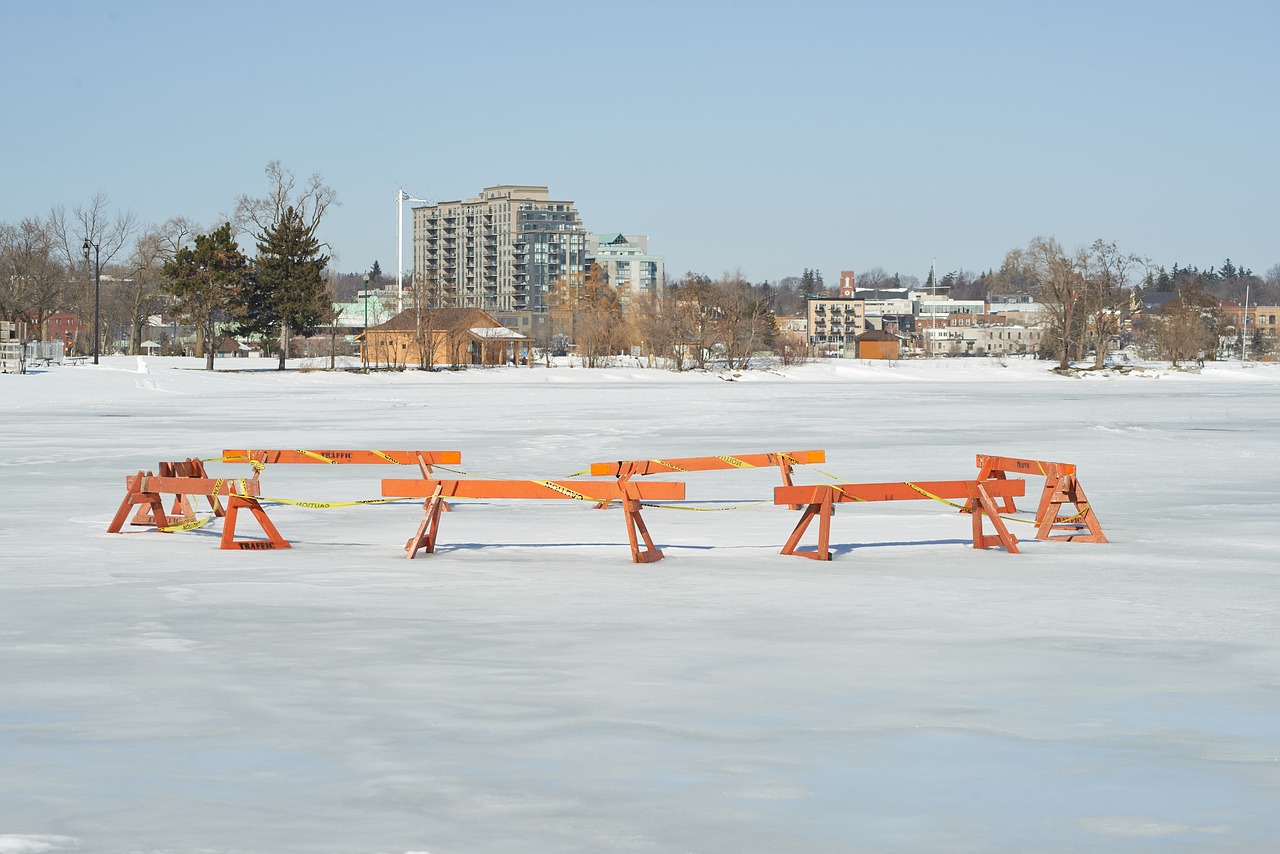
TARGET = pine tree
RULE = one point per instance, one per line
(207, 281)
(288, 292)
(375, 273)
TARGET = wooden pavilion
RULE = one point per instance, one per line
(443, 336)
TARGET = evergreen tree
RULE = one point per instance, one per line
(375, 273)
(207, 282)
(287, 291)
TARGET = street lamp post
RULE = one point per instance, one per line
(97, 288)
(401, 198)
(366, 300)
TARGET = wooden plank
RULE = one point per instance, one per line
(683, 464)
(324, 456)
(900, 491)
(1021, 466)
(191, 485)
(598, 490)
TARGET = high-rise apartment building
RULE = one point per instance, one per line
(499, 251)
(627, 263)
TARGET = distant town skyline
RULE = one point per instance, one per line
(745, 136)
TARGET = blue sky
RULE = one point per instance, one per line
(768, 137)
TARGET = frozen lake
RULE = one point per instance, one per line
(528, 688)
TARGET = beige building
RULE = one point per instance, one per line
(834, 322)
(499, 251)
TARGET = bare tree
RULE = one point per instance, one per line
(256, 215)
(147, 292)
(88, 227)
(1106, 289)
(32, 281)
(1054, 278)
(1183, 328)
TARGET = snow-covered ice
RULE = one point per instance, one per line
(528, 688)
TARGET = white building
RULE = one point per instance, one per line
(627, 263)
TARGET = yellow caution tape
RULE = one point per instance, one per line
(192, 524)
(316, 456)
(736, 463)
(671, 466)
(703, 509)
(327, 505)
(552, 485)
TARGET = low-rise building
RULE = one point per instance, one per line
(443, 336)
(834, 322)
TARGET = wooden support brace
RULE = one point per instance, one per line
(983, 508)
(425, 537)
(234, 504)
(1080, 526)
(823, 509)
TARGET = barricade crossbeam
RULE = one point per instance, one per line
(784, 461)
(820, 499)
(630, 494)
(182, 507)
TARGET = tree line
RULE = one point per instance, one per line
(201, 276)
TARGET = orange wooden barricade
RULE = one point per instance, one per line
(182, 507)
(624, 470)
(820, 499)
(145, 489)
(630, 494)
(424, 460)
(1061, 487)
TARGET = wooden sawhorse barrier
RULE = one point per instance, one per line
(630, 494)
(1061, 487)
(624, 470)
(146, 490)
(182, 507)
(820, 498)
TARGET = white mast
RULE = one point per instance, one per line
(1244, 322)
(401, 198)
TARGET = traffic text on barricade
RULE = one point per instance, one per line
(630, 494)
(624, 470)
(146, 489)
(980, 496)
(1061, 487)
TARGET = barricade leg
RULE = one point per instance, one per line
(148, 503)
(989, 472)
(234, 504)
(822, 509)
(425, 537)
(984, 507)
(1082, 526)
(631, 509)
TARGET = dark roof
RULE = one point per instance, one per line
(877, 335)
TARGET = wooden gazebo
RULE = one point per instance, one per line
(443, 336)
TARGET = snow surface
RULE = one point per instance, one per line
(528, 688)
